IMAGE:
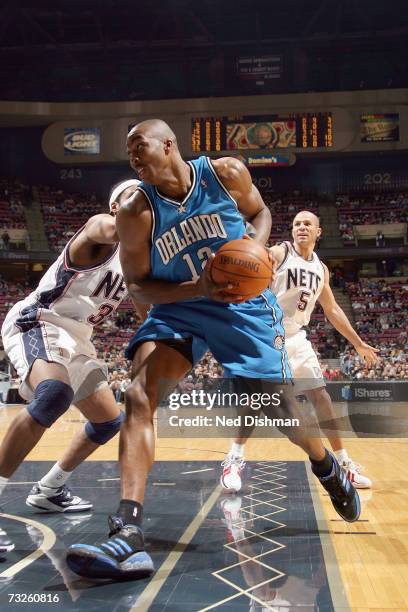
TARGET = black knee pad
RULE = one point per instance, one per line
(100, 433)
(51, 399)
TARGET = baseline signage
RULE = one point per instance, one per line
(364, 391)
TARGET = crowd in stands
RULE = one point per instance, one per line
(64, 214)
(12, 201)
(324, 338)
(13, 198)
(370, 209)
(378, 305)
(284, 208)
(379, 309)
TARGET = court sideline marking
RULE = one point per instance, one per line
(49, 539)
(337, 591)
(146, 598)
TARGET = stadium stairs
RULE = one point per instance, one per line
(344, 302)
(333, 364)
(35, 224)
(329, 221)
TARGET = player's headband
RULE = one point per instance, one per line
(120, 189)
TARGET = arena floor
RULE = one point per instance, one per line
(294, 552)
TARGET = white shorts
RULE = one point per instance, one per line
(43, 334)
(304, 364)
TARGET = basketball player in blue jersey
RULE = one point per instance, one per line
(47, 338)
(180, 215)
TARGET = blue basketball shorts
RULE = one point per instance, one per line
(248, 339)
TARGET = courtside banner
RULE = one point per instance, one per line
(368, 391)
(232, 408)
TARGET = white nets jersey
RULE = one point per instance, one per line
(297, 286)
(80, 297)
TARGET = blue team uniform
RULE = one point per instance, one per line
(248, 338)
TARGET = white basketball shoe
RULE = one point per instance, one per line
(355, 476)
(231, 474)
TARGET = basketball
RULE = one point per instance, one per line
(245, 264)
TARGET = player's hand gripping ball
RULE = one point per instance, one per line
(245, 265)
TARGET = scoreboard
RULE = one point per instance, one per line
(249, 132)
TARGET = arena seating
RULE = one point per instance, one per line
(378, 304)
(13, 231)
(379, 307)
(65, 213)
(283, 208)
(386, 212)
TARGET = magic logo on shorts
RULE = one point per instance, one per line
(279, 342)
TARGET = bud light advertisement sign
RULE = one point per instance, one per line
(82, 141)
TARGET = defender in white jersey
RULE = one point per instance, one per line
(298, 284)
(47, 337)
(301, 280)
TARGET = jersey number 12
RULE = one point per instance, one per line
(203, 255)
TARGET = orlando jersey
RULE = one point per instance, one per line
(185, 233)
(246, 338)
(297, 286)
(86, 295)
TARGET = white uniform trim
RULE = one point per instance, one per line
(211, 167)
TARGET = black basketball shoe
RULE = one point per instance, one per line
(121, 557)
(343, 495)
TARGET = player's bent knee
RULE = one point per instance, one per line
(136, 400)
(52, 398)
(100, 433)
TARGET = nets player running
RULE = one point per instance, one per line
(182, 213)
(47, 337)
(301, 280)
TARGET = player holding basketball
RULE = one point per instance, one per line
(301, 280)
(47, 339)
(179, 216)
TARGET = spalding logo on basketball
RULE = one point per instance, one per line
(245, 264)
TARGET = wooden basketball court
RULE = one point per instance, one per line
(370, 556)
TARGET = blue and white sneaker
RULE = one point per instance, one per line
(121, 557)
(343, 495)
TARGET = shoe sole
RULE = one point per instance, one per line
(55, 508)
(358, 511)
(228, 489)
(6, 549)
(85, 563)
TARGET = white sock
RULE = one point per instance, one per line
(3, 483)
(341, 456)
(55, 478)
(237, 450)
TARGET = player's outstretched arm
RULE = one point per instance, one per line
(339, 320)
(101, 229)
(134, 226)
(237, 180)
(98, 230)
